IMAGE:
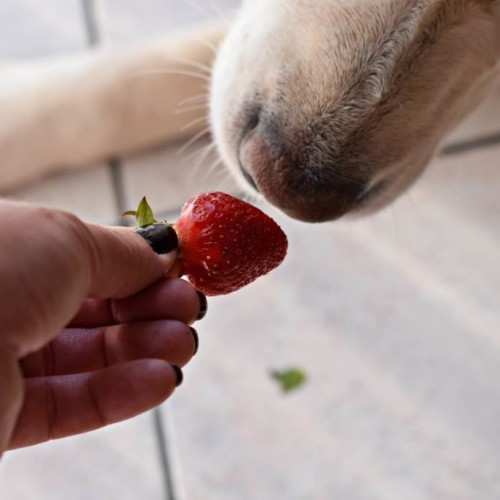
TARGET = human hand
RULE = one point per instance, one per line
(90, 325)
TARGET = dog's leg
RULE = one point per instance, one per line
(71, 112)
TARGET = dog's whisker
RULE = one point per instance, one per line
(207, 44)
(226, 182)
(199, 97)
(213, 167)
(187, 109)
(178, 72)
(218, 11)
(198, 7)
(202, 154)
(208, 13)
(192, 140)
(197, 157)
(194, 64)
(195, 168)
(218, 163)
(194, 122)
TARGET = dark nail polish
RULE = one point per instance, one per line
(162, 238)
(203, 305)
(196, 339)
(178, 375)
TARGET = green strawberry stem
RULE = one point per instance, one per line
(143, 215)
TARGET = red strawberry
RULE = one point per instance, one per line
(226, 243)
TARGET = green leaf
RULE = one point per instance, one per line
(290, 378)
(143, 215)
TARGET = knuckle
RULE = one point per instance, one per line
(81, 244)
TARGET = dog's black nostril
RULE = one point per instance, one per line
(253, 119)
(248, 177)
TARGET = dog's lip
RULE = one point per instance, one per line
(370, 195)
(249, 178)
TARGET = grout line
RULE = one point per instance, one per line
(93, 21)
(121, 202)
(161, 439)
(118, 183)
(93, 24)
(470, 145)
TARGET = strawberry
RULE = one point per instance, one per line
(224, 243)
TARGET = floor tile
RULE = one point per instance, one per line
(172, 174)
(32, 29)
(484, 120)
(396, 320)
(133, 22)
(120, 461)
(466, 184)
(88, 193)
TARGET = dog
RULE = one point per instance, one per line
(325, 108)
(336, 107)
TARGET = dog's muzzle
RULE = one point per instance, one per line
(282, 167)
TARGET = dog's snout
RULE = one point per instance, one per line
(248, 177)
(290, 173)
(252, 121)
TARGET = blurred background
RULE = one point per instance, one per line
(395, 319)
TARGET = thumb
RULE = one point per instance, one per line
(50, 261)
(123, 261)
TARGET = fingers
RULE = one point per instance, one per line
(167, 298)
(60, 406)
(78, 351)
(11, 395)
(56, 260)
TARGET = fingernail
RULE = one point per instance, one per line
(178, 375)
(203, 305)
(162, 238)
(196, 339)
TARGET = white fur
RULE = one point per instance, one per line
(310, 53)
(72, 111)
(320, 66)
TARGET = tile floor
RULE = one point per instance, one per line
(395, 318)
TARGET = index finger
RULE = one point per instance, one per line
(171, 298)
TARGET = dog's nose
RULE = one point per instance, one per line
(248, 177)
(285, 171)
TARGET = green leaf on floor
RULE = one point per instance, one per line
(290, 378)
